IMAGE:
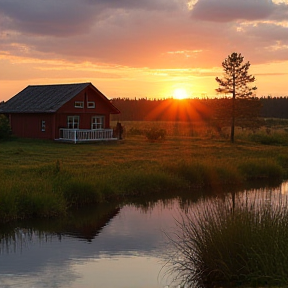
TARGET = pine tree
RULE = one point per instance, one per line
(235, 82)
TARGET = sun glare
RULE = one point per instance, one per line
(179, 94)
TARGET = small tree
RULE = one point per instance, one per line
(235, 82)
(5, 130)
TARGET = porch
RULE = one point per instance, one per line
(85, 135)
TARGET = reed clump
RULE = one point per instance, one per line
(261, 169)
(22, 201)
(79, 192)
(232, 243)
(204, 174)
(147, 182)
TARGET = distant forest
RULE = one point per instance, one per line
(187, 109)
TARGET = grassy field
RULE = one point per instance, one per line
(45, 178)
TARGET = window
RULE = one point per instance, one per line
(97, 122)
(91, 104)
(79, 104)
(43, 125)
(73, 122)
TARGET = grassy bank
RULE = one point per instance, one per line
(221, 244)
(44, 179)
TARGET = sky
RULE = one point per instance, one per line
(141, 48)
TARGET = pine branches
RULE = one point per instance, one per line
(235, 81)
(236, 77)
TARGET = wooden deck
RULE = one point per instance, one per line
(83, 135)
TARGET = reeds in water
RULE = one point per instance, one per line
(241, 241)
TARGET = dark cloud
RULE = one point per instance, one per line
(231, 10)
(53, 17)
(142, 33)
(280, 12)
(69, 17)
(139, 4)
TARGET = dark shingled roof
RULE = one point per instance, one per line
(44, 98)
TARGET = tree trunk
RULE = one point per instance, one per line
(233, 107)
(232, 120)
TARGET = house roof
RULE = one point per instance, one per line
(46, 98)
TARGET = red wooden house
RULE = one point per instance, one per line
(67, 112)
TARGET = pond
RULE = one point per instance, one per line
(108, 246)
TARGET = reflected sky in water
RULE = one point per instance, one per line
(128, 252)
(125, 249)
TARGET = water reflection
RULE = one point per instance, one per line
(85, 225)
(87, 252)
(108, 246)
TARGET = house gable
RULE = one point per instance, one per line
(89, 100)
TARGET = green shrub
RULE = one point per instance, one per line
(155, 134)
(5, 130)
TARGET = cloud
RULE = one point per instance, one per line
(140, 4)
(144, 33)
(69, 17)
(40, 17)
(231, 10)
(267, 33)
(272, 74)
(124, 35)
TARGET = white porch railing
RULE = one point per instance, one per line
(85, 135)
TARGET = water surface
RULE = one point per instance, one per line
(125, 251)
(106, 247)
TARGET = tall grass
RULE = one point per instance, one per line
(204, 174)
(275, 138)
(44, 179)
(260, 169)
(26, 198)
(229, 243)
(48, 190)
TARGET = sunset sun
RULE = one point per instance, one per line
(179, 94)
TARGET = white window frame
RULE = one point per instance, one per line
(90, 104)
(97, 122)
(43, 125)
(79, 104)
(73, 122)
